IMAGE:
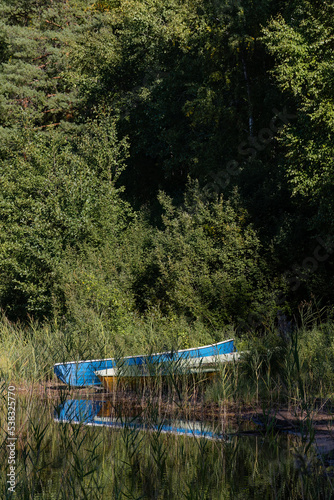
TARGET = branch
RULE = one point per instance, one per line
(43, 65)
(51, 125)
(51, 22)
(41, 57)
(52, 110)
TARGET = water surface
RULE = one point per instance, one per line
(89, 449)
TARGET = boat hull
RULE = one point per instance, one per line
(82, 373)
(204, 368)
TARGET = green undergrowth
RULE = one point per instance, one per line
(28, 352)
(295, 371)
(276, 368)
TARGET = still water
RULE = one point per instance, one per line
(87, 449)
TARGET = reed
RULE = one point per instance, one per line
(74, 461)
(292, 370)
(29, 351)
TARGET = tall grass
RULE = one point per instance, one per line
(295, 369)
(74, 461)
(28, 352)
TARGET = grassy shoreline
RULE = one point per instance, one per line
(295, 368)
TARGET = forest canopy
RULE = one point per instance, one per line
(170, 156)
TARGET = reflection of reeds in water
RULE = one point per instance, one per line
(105, 413)
(77, 461)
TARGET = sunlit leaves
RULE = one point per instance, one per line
(304, 50)
(56, 194)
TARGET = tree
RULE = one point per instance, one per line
(56, 195)
(302, 45)
(204, 262)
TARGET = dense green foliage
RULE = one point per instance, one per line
(165, 160)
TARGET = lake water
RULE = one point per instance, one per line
(93, 449)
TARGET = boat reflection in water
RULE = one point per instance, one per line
(101, 413)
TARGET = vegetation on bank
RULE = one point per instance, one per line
(165, 179)
(294, 370)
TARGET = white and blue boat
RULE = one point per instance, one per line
(83, 373)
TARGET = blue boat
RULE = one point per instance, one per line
(82, 373)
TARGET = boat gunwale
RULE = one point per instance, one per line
(143, 355)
